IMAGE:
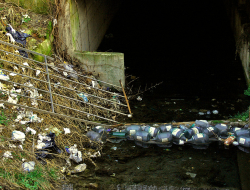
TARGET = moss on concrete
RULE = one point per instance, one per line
(44, 48)
(75, 22)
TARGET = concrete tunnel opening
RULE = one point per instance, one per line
(187, 45)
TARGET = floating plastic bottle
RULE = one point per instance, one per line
(188, 133)
(243, 132)
(183, 127)
(165, 137)
(165, 128)
(234, 129)
(229, 140)
(131, 129)
(152, 131)
(244, 141)
(142, 136)
(199, 141)
(210, 131)
(178, 133)
(118, 134)
(202, 123)
(222, 129)
(200, 138)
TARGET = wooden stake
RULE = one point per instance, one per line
(125, 97)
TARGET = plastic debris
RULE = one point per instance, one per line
(139, 98)
(72, 72)
(75, 154)
(215, 112)
(19, 37)
(26, 64)
(38, 72)
(54, 22)
(4, 76)
(7, 154)
(18, 136)
(84, 96)
(28, 129)
(192, 175)
(47, 141)
(96, 154)
(2, 105)
(13, 74)
(12, 40)
(94, 84)
(79, 168)
(66, 130)
(28, 166)
(114, 148)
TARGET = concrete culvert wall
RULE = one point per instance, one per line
(82, 26)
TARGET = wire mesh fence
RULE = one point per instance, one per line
(56, 88)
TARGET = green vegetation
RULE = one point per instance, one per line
(242, 116)
(3, 119)
(36, 179)
(216, 121)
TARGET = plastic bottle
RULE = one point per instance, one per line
(179, 141)
(229, 140)
(178, 133)
(151, 130)
(210, 131)
(118, 134)
(202, 123)
(244, 141)
(234, 129)
(94, 136)
(99, 129)
(243, 132)
(142, 144)
(222, 129)
(188, 133)
(199, 138)
(131, 129)
(165, 128)
(165, 137)
(142, 136)
(183, 127)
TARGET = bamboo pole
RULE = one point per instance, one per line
(125, 97)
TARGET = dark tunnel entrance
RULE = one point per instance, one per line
(187, 45)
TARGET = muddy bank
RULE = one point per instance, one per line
(125, 164)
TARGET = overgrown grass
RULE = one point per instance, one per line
(36, 179)
(241, 116)
(3, 119)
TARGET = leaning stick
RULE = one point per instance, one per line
(125, 97)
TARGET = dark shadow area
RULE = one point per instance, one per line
(188, 45)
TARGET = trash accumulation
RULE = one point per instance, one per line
(34, 135)
(198, 135)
